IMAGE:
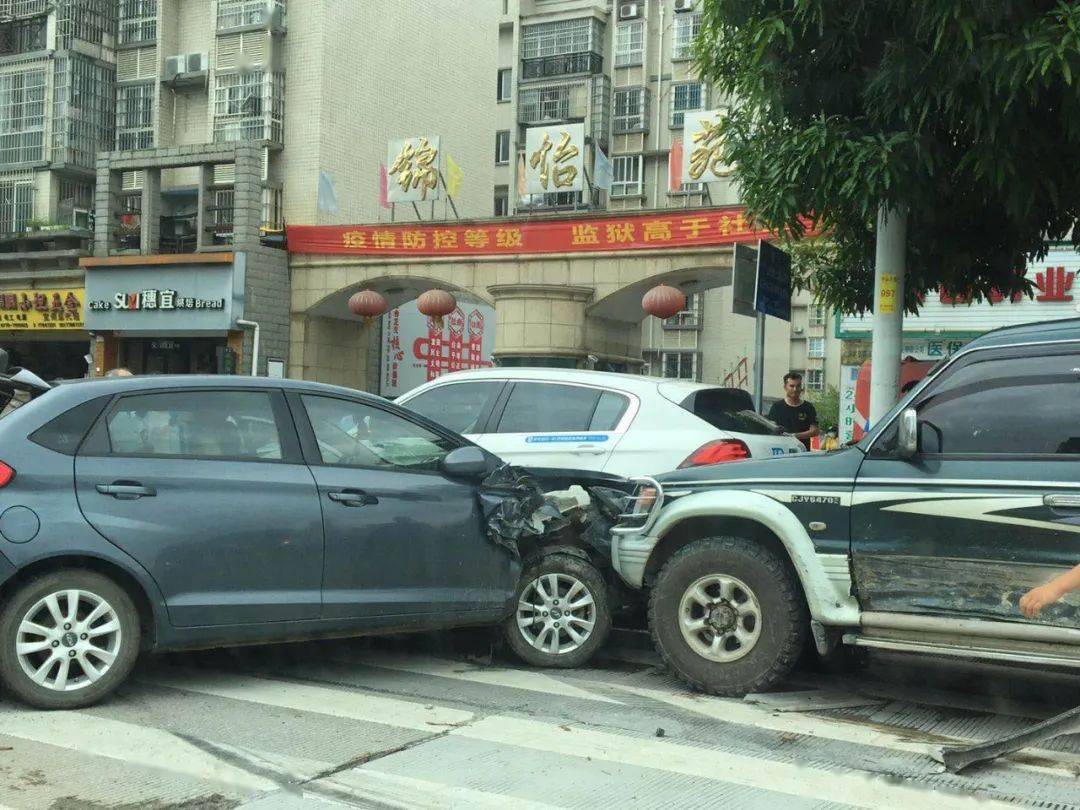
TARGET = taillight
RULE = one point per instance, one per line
(7, 475)
(717, 452)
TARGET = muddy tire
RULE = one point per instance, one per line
(728, 617)
(67, 639)
(562, 615)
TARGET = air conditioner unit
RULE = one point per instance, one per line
(197, 62)
(629, 11)
(684, 5)
(174, 66)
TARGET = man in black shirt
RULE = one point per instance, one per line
(796, 416)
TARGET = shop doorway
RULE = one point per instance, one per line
(49, 359)
(176, 356)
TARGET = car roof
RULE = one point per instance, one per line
(110, 385)
(1039, 332)
(632, 383)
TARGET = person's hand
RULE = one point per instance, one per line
(1032, 602)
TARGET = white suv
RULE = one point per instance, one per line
(592, 420)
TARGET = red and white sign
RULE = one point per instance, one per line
(693, 228)
(416, 351)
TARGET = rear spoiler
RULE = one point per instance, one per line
(14, 379)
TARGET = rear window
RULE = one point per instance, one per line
(730, 409)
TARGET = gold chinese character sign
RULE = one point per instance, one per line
(703, 159)
(412, 168)
(555, 159)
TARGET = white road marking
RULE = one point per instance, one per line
(853, 731)
(127, 742)
(489, 676)
(406, 792)
(317, 699)
(852, 787)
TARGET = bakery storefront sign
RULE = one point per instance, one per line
(49, 310)
(161, 300)
(158, 299)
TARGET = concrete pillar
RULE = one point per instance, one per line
(540, 320)
(206, 200)
(247, 197)
(150, 233)
(106, 207)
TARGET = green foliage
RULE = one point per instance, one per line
(827, 405)
(964, 112)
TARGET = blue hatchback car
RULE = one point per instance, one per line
(164, 513)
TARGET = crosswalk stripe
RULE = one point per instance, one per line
(851, 787)
(746, 714)
(318, 699)
(136, 745)
(407, 792)
(488, 676)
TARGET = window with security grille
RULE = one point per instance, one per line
(815, 347)
(240, 13)
(135, 116)
(89, 21)
(629, 43)
(562, 37)
(685, 97)
(679, 365)
(22, 116)
(248, 106)
(630, 112)
(83, 110)
(23, 36)
(687, 27)
(138, 21)
(16, 202)
(817, 315)
(815, 379)
(625, 175)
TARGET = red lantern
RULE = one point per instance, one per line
(368, 304)
(663, 301)
(436, 304)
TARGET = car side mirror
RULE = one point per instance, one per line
(907, 439)
(465, 462)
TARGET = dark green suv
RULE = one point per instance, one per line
(922, 537)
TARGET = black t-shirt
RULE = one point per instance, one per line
(794, 419)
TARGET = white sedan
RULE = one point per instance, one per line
(593, 420)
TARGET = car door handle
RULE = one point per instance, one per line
(590, 449)
(1062, 501)
(126, 490)
(352, 497)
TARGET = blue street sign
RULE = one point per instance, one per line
(772, 295)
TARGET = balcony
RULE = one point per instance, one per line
(546, 67)
(23, 8)
(235, 14)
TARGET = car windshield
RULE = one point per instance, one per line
(729, 409)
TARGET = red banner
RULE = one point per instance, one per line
(690, 228)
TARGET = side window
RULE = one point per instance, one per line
(1005, 406)
(609, 411)
(352, 434)
(549, 408)
(200, 424)
(459, 406)
(65, 432)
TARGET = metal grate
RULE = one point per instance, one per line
(631, 110)
(240, 13)
(629, 43)
(687, 27)
(22, 113)
(83, 110)
(562, 37)
(23, 8)
(135, 116)
(16, 201)
(89, 21)
(138, 21)
(685, 97)
(249, 107)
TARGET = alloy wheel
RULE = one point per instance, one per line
(556, 613)
(720, 618)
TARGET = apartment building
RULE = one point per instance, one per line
(623, 68)
(154, 101)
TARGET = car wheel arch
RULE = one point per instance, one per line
(123, 578)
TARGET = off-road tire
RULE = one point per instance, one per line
(586, 573)
(785, 618)
(19, 684)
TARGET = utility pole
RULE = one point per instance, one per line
(887, 337)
